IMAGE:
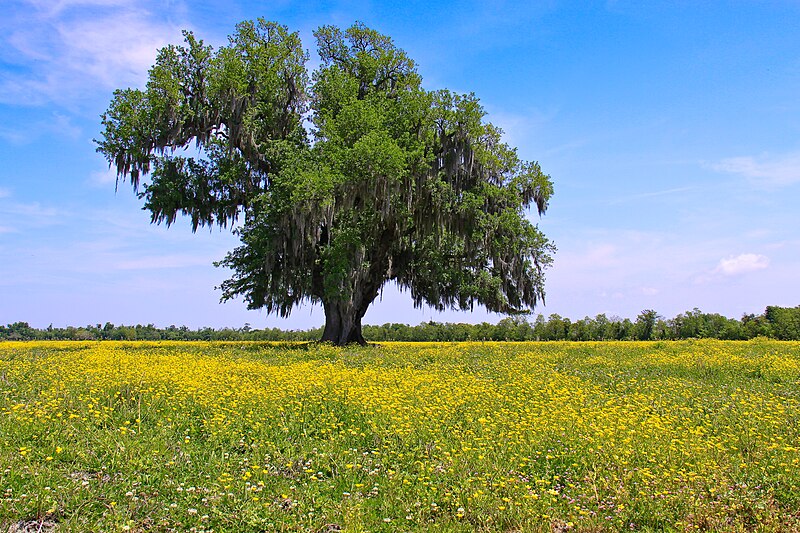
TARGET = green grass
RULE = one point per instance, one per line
(404, 437)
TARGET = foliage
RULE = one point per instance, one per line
(389, 183)
(645, 325)
(695, 435)
(784, 321)
(775, 322)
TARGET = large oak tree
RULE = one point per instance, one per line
(336, 183)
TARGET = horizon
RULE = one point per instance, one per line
(525, 316)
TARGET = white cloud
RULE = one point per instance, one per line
(68, 49)
(117, 48)
(31, 210)
(54, 7)
(741, 264)
(782, 245)
(653, 194)
(15, 215)
(620, 272)
(524, 130)
(12, 136)
(164, 261)
(767, 169)
(602, 255)
(57, 124)
(103, 177)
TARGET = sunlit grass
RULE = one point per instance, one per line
(440, 437)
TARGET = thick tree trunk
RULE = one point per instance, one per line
(343, 315)
(342, 323)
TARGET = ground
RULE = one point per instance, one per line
(428, 437)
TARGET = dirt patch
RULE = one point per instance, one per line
(32, 526)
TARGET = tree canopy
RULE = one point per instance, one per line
(336, 182)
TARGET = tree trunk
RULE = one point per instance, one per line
(342, 323)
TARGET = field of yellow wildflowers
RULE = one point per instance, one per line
(245, 437)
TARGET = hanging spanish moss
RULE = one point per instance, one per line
(336, 183)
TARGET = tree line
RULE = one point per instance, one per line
(782, 323)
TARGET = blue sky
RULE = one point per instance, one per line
(671, 131)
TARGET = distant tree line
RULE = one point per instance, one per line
(781, 323)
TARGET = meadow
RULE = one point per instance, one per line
(238, 437)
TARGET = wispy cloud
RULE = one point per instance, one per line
(775, 170)
(66, 49)
(56, 7)
(32, 210)
(602, 255)
(741, 264)
(4, 193)
(524, 130)
(164, 261)
(15, 215)
(103, 177)
(56, 124)
(652, 194)
(621, 272)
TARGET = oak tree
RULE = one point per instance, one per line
(336, 182)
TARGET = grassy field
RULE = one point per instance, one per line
(244, 437)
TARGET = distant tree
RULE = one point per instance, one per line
(20, 331)
(731, 330)
(460, 332)
(645, 324)
(539, 328)
(661, 329)
(688, 325)
(784, 321)
(124, 333)
(108, 329)
(601, 327)
(390, 182)
(581, 330)
(712, 325)
(82, 334)
(514, 328)
(622, 329)
(755, 326)
(557, 328)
